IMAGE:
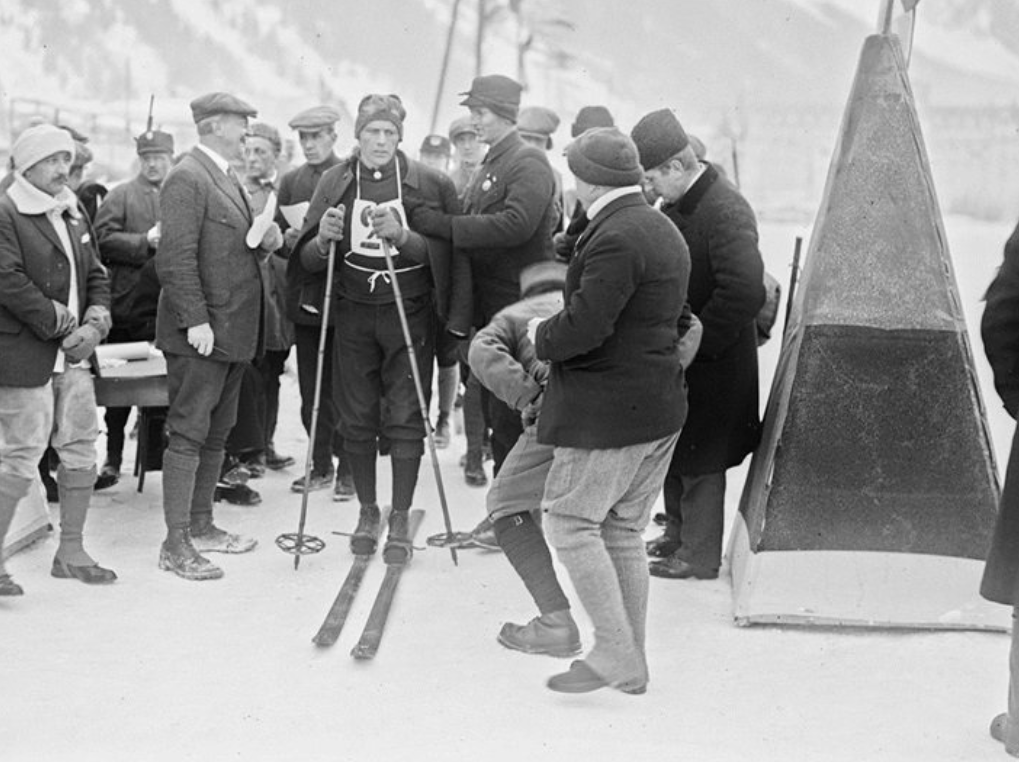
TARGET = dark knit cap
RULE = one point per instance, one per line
(496, 92)
(591, 116)
(267, 131)
(604, 156)
(659, 136)
(154, 141)
(376, 107)
(541, 275)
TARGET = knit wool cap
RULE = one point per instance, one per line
(39, 142)
(604, 156)
(374, 107)
(538, 121)
(540, 274)
(591, 116)
(154, 141)
(267, 131)
(498, 93)
(659, 136)
(315, 118)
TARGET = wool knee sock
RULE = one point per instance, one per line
(178, 488)
(525, 547)
(626, 549)
(75, 486)
(210, 464)
(362, 469)
(405, 479)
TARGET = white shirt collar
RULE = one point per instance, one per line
(217, 159)
(609, 197)
(30, 200)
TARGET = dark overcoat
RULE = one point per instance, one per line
(616, 379)
(122, 224)
(726, 292)
(999, 329)
(207, 271)
(34, 272)
(509, 217)
(427, 187)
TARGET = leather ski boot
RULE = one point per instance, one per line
(364, 540)
(398, 549)
(554, 634)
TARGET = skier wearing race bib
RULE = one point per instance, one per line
(357, 206)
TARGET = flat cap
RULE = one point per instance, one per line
(461, 126)
(154, 141)
(435, 144)
(539, 122)
(315, 118)
(268, 132)
(212, 104)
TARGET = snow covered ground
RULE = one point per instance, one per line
(155, 668)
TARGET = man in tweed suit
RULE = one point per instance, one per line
(209, 323)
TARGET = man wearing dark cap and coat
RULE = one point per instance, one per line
(614, 403)
(316, 131)
(210, 322)
(587, 117)
(726, 293)
(510, 214)
(128, 229)
(358, 209)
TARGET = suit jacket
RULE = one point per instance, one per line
(34, 273)
(422, 187)
(726, 293)
(208, 273)
(616, 376)
(510, 215)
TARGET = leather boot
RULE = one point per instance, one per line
(474, 470)
(71, 561)
(178, 555)
(553, 634)
(366, 535)
(398, 549)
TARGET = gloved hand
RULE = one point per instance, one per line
(432, 222)
(99, 318)
(273, 239)
(529, 415)
(386, 224)
(153, 235)
(290, 237)
(563, 244)
(66, 321)
(81, 343)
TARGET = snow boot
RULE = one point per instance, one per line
(365, 538)
(552, 634)
(398, 549)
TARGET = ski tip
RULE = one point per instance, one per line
(362, 654)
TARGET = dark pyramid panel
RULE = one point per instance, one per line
(869, 458)
(875, 437)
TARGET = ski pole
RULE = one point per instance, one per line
(299, 543)
(420, 391)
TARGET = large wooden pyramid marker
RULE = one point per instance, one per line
(872, 496)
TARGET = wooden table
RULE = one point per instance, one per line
(137, 383)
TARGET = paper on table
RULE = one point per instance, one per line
(128, 350)
(294, 214)
(262, 222)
